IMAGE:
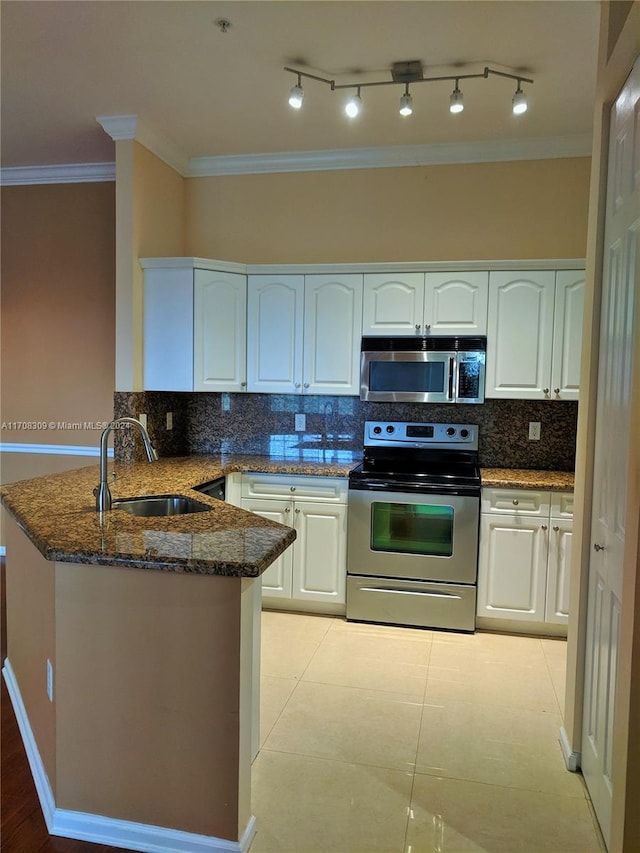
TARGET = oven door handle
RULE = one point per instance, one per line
(386, 589)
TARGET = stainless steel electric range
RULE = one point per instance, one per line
(413, 518)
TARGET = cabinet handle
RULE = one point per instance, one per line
(306, 384)
(297, 385)
(297, 511)
(243, 384)
(292, 488)
(556, 391)
(427, 327)
(544, 527)
(597, 547)
(515, 502)
(287, 509)
(556, 528)
(545, 391)
(417, 327)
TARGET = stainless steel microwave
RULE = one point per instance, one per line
(423, 370)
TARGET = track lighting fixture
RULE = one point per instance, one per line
(296, 95)
(354, 105)
(406, 103)
(456, 104)
(405, 73)
(519, 102)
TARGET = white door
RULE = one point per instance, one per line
(613, 417)
(276, 580)
(512, 568)
(520, 334)
(275, 312)
(219, 331)
(456, 303)
(332, 331)
(567, 334)
(320, 566)
(559, 571)
(393, 304)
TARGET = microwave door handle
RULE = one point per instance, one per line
(451, 370)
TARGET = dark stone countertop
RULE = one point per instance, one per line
(57, 513)
(516, 478)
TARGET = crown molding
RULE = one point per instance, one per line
(176, 263)
(391, 156)
(133, 127)
(67, 173)
(130, 127)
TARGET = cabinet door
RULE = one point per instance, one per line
(393, 304)
(168, 330)
(567, 334)
(512, 569)
(456, 303)
(559, 571)
(274, 333)
(320, 555)
(219, 331)
(520, 335)
(332, 332)
(276, 580)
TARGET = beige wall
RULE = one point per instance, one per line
(150, 222)
(31, 638)
(521, 209)
(58, 255)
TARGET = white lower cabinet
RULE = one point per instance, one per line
(525, 557)
(311, 574)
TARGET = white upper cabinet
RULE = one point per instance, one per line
(425, 304)
(393, 304)
(567, 334)
(275, 319)
(168, 330)
(332, 332)
(534, 334)
(303, 334)
(219, 331)
(194, 327)
(456, 303)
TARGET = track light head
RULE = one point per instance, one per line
(406, 103)
(519, 102)
(353, 106)
(296, 95)
(456, 102)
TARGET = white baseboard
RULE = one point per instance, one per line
(572, 759)
(105, 830)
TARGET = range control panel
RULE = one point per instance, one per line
(403, 434)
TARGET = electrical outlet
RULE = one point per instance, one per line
(300, 423)
(50, 680)
(534, 430)
(143, 419)
(169, 420)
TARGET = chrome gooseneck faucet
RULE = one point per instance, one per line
(102, 490)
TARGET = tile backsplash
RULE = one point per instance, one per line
(265, 423)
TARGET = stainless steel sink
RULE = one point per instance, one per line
(159, 505)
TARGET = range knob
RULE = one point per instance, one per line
(464, 433)
(391, 429)
(377, 430)
(451, 431)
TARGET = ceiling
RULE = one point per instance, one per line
(212, 93)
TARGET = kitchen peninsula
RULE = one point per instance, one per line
(133, 651)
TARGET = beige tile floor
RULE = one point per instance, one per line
(397, 740)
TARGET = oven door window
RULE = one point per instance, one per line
(422, 529)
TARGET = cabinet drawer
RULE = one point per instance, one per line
(516, 501)
(329, 489)
(562, 505)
